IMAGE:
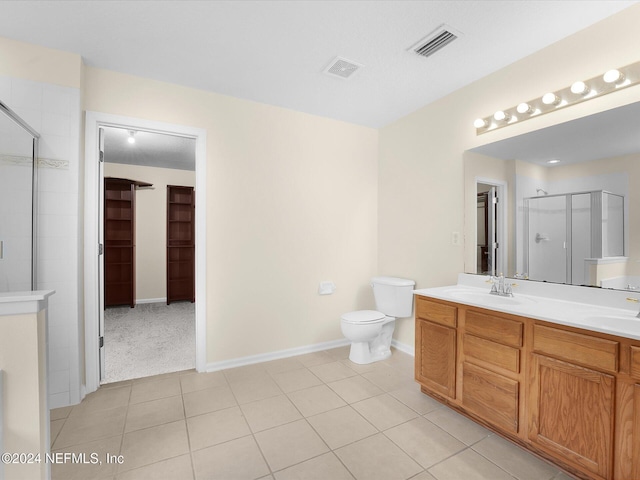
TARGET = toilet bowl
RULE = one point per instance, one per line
(370, 331)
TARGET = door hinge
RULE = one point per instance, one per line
(495, 200)
(101, 342)
(100, 249)
(101, 156)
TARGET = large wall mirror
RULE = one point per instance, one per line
(571, 206)
(18, 178)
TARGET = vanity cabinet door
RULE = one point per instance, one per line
(571, 414)
(436, 357)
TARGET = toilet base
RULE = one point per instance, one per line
(362, 355)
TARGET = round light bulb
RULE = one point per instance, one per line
(579, 88)
(550, 99)
(613, 76)
(524, 108)
(501, 116)
(551, 162)
(131, 140)
(479, 123)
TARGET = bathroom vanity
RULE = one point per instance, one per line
(557, 374)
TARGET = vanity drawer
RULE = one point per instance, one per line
(487, 353)
(436, 312)
(635, 362)
(501, 330)
(586, 350)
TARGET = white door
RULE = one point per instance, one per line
(492, 240)
(101, 252)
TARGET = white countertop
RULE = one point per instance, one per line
(17, 303)
(598, 310)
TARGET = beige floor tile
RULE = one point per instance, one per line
(163, 376)
(59, 413)
(358, 368)
(270, 412)
(54, 429)
(465, 430)
(341, 427)
(468, 465)
(384, 411)
(324, 467)
(201, 381)
(514, 460)
(153, 390)
(282, 365)
(122, 383)
(246, 372)
(250, 390)
(102, 399)
(94, 426)
(423, 476)
(413, 398)
(401, 361)
(151, 445)
(290, 444)
(425, 442)
(315, 358)
(296, 380)
(339, 353)
(332, 372)
(171, 469)
(216, 427)
(208, 400)
(238, 459)
(94, 454)
(354, 389)
(562, 476)
(388, 378)
(314, 400)
(154, 412)
(377, 458)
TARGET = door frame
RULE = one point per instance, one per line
(501, 227)
(92, 282)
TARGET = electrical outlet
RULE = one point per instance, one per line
(455, 238)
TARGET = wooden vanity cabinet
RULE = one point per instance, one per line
(567, 394)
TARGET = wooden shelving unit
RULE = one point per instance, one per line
(180, 243)
(119, 241)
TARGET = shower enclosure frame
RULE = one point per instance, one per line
(4, 108)
(596, 205)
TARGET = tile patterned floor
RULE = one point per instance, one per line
(315, 416)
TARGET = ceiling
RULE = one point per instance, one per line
(608, 134)
(149, 149)
(274, 52)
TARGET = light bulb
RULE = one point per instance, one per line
(613, 76)
(131, 138)
(553, 161)
(550, 99)
(524, 108)
(480, 123)
(579, 88)
(501, 116)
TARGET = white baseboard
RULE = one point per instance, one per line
(151, 300)
(266, 357)
(403, 347)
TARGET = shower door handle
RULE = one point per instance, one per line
(1, 249)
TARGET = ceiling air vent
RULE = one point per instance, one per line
(436, 40)
(342, 68)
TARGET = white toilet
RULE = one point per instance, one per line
(370, 331)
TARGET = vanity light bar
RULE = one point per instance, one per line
(578, 92)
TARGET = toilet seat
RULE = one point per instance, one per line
(363, 316)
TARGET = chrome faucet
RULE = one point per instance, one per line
(500, 287)
(634, 300)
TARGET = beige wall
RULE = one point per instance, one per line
(291, 201)
(151, 223)
(421, 186)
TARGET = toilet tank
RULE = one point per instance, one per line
(393, 296)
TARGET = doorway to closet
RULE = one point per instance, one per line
(103, 159)
(149, 244)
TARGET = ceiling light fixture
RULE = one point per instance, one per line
(580, 88)
(132, 138)
(553, 161)
(577, 92)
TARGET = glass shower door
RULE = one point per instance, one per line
(547, 238)
(16, 206)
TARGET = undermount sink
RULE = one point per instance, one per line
(622, 322)
(488, 299)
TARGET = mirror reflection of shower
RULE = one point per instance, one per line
(556, 248)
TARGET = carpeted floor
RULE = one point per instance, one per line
(149, 339)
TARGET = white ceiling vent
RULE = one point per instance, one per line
(436, 40)
(343, 68)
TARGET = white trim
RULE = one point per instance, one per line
(502, 227)
(403, 347)
(140, 301)
(93, 121)
(606, 260)
(277, 355)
